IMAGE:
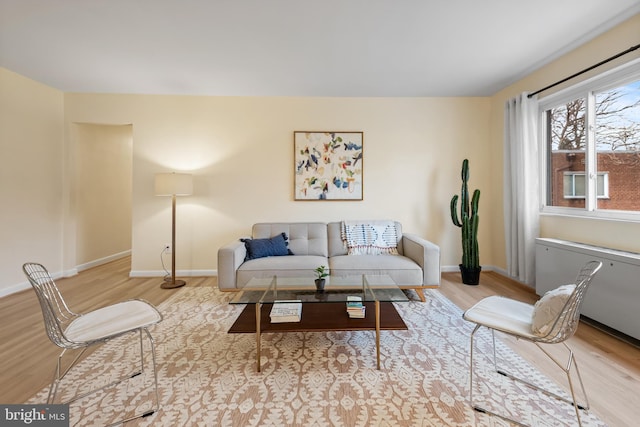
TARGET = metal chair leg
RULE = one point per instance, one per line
(475, 407)
(58, 377)
(566, 369)
(155, 370)
(571, 361)
(53, 388)
(155, 384)
(471, 367)
(141, 353)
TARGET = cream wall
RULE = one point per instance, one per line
(614, 234)
(31, 149)
(103, 169)
(240, 150)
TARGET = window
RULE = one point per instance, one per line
(574, 185)
(591, 146)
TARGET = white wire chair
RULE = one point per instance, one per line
(71, 331)
(515, 318)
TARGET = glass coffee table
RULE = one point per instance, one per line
(321, 311)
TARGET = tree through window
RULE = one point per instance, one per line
(593, 145)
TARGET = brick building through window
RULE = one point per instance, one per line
(618, 180)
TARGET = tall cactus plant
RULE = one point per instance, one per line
(468, 221)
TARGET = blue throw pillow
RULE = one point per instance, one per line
(260, 248)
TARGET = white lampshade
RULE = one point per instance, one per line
(169, 184)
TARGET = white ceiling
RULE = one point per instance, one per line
(296, 47)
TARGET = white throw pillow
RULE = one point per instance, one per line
(547, 309)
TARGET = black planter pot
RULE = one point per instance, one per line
(470, 276)
(319, 285)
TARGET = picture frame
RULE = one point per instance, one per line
(328, 165)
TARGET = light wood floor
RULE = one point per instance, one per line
(609, 367)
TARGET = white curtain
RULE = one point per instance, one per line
(521, 184)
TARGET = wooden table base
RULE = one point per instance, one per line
(320, 317)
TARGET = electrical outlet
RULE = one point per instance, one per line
(167, 248)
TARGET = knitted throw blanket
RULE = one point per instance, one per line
(370, 237)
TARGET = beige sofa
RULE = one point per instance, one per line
(416, 266)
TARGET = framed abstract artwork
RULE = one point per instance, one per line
(328, 165)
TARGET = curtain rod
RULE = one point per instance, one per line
(631, 49)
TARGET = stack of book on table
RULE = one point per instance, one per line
(284, 311)
(355, 309)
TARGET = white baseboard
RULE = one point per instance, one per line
(179, 273)
(449, 269)
(19, 287)
(65, 273)
(455, 269)
(101, 261)
(500, 271)
(214, 273)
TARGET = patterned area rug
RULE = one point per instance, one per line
(208, 377)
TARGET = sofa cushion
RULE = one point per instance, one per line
(293, 266)
(273, 246)
(305, 238)
(402, 270)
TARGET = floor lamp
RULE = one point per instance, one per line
(173, 184)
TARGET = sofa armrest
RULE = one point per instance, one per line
(426, 254)
(230, 257)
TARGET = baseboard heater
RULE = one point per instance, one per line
(613, 298)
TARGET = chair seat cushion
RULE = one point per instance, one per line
(112, 320)
(502, 314)
(549, 307)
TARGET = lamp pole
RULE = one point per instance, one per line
(173, 283)
(173, 184)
